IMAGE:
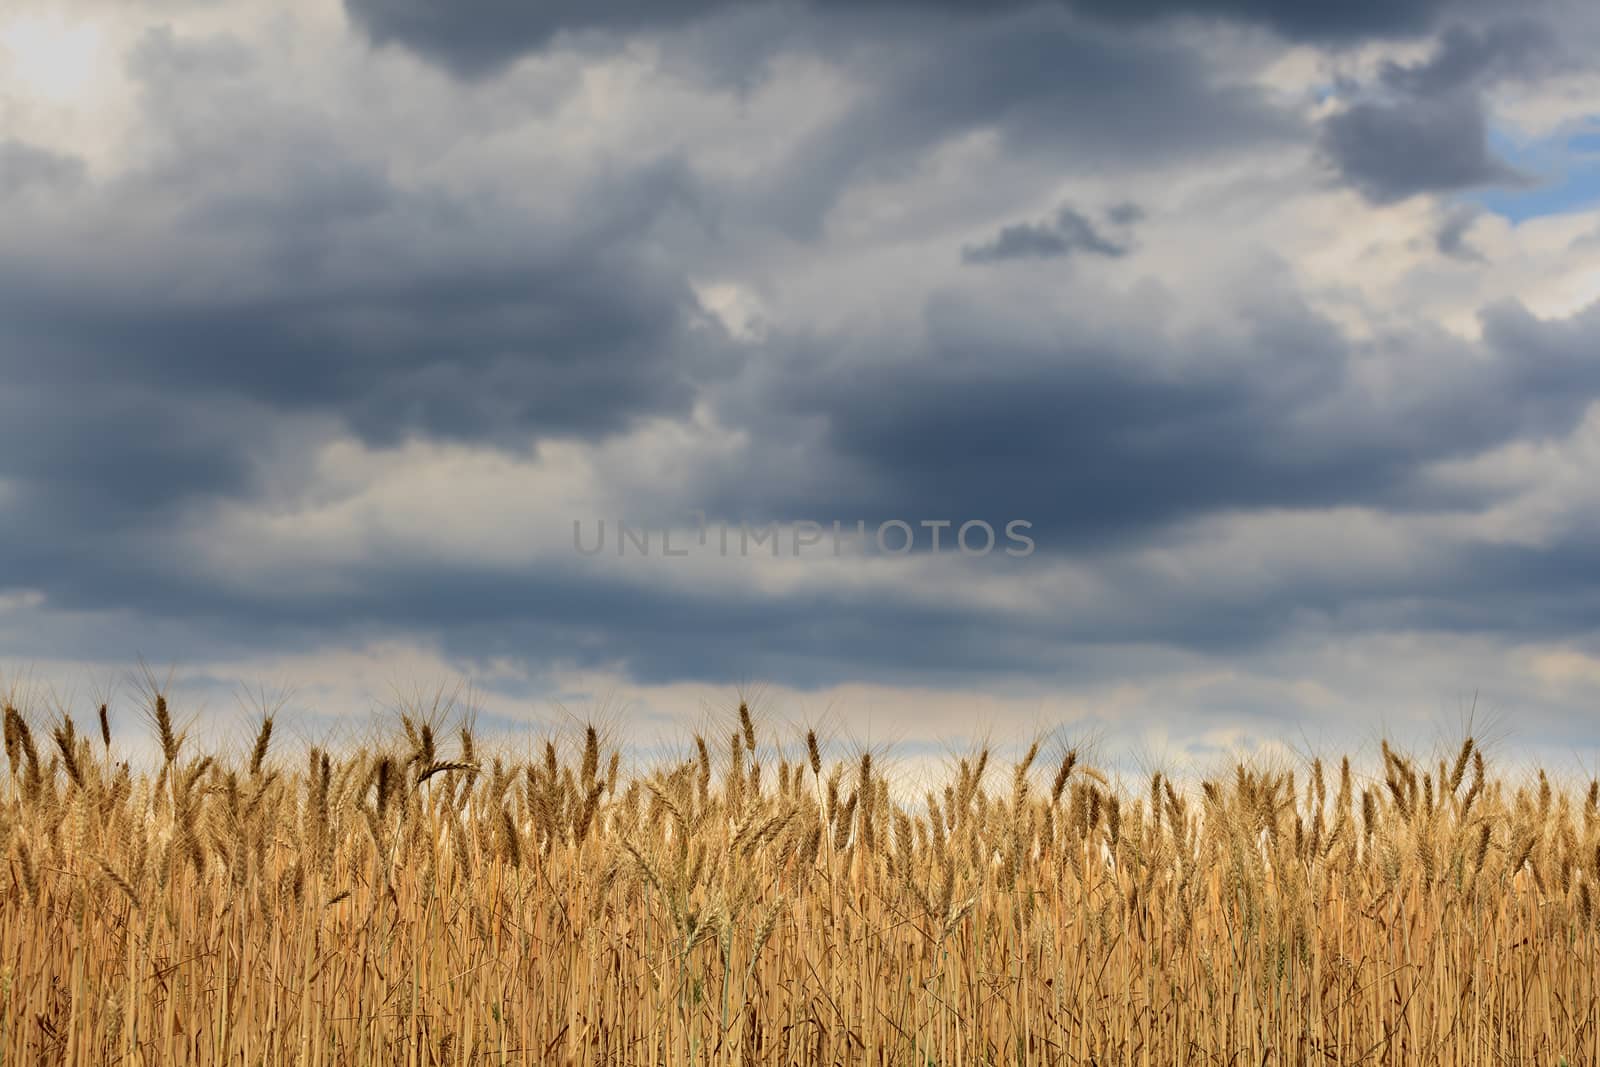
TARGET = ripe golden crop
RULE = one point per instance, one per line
(422, 902)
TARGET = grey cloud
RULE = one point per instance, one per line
(341, 306)
(1048, 84)
(1393, 151)
(543, 615)
(1069, 232)
(163, 56)
(473, 38)
(1105, 451)
(1427, 130)
(1343, 22)
(1050, 88)
(1546, 374)
(189, 337)
(180, 335)
(104, 455)
(1451, 237)
(24, 166)
(1126, 213)
(1467, 57)
(499, 354)
(1102, 443)
(184, 334)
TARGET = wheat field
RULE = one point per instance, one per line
(756, 901)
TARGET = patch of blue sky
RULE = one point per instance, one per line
(1563, 175)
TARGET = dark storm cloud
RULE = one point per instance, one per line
(97, 456)
(261, 283)
(331, 301)
(543, 615)
(1426, 127)
(182, 335)
(1102, 449)
(499, 353)
(1103, 443)
(477, 37)
(1067, 233)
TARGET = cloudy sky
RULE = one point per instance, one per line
(1277, 322)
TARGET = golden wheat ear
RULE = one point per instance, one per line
(364, 902)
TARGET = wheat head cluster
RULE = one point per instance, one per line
(752, 900)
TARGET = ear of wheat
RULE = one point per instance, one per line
(424, 907)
